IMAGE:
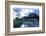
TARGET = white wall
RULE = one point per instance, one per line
(2, 18)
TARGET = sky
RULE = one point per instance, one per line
(21, 12)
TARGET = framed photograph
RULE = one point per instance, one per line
(24, 17)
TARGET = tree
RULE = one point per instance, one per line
(18, 22)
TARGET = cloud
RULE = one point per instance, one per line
(21, 12)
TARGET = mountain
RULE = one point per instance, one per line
(31, 18)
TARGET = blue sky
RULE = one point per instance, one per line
(21, 12)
